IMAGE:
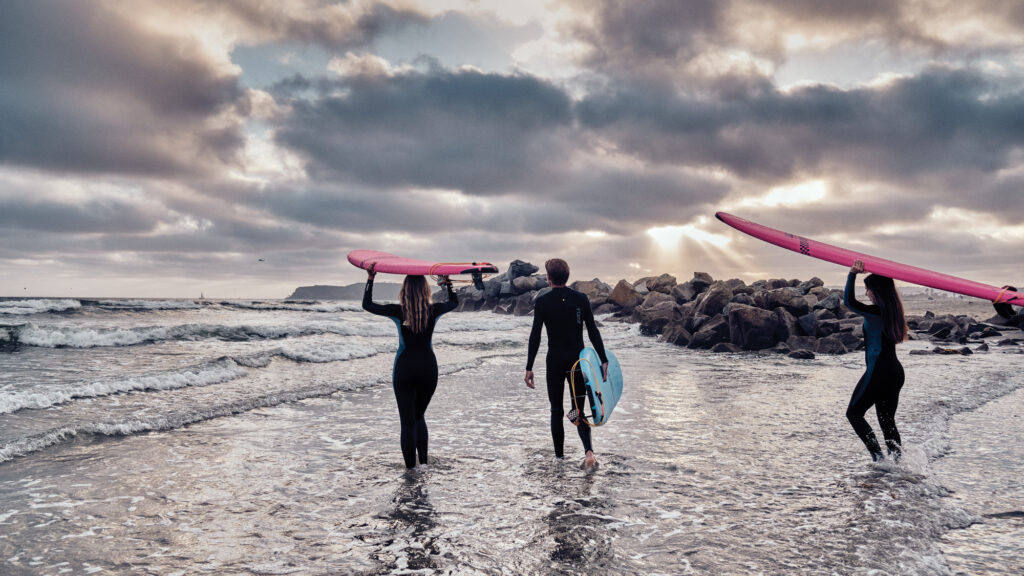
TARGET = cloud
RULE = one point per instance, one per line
(87, 90)
(336, 25)
(940, 120)
(464, 130)
(92, 216)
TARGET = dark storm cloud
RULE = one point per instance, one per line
(939, 120)
(465, 130)
(103, 216)
(627, 33)
(84, 89)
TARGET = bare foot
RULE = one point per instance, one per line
(590, 461)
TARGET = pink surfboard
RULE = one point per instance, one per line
(875, 265)
(391, 264)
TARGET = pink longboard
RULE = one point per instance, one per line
(875, 265)
(391, 264)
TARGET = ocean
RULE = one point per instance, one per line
(178, 437)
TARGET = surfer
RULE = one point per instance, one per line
(414, 378)
(563, 312)
(884, 327)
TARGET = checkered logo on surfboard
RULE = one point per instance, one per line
(805, 247)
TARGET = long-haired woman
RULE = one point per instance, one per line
(884, 327)
(415, 374)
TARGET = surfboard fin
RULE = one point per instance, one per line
(478, 280)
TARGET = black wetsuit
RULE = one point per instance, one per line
(564, 311)
(415, 372)
(881, 383)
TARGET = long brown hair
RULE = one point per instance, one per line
(415, 300)
(894, 323)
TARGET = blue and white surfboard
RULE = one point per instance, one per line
(603, 394)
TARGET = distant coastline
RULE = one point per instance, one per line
(381, 291)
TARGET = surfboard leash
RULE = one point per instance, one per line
(476, 277)
(572, 387)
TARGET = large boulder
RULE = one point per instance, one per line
(808, 324)
(518, 268)
(655, 317)
(808, 285)
(850, 340)
(702, 278)
(830, 345)
(523, 284)
(664, 284)
(789, 298)
(653, 299)
(735, 284)
(523, 304)
(802, 342)
(641, 285)
(675, 333)
(786, 324)
(470, 299)
(689, 290)
(752, 328)
(595, 290)
(821, 293)
(624, 296)
(830, 302)
(711, 332)
(714, 299)
(492, 288)
(743, 298)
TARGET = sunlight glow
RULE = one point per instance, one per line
(669, 236)
(804, 193)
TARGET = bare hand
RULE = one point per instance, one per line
(370, 273)
(858, 267)
(445, 281)
(604, 371)
(529, 379)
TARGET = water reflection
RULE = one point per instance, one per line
(576, 524)
(412, 522)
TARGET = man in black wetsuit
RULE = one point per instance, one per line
(563, 312)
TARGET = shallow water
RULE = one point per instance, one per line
(711, 464)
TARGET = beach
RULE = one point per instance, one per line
(262, 438)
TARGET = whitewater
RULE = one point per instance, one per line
(169, 437)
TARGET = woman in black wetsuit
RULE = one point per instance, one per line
(415, 373)
(884, 326)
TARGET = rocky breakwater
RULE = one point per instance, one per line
(791, 316)
(799, 318)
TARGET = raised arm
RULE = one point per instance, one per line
(453, 299)
(369, 305)
(849, 298)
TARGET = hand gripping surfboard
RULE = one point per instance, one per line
(603, 394)
(391, 264)
(1002, 298)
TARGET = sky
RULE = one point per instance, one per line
(239, 148)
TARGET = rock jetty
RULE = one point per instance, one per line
(798, 318)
